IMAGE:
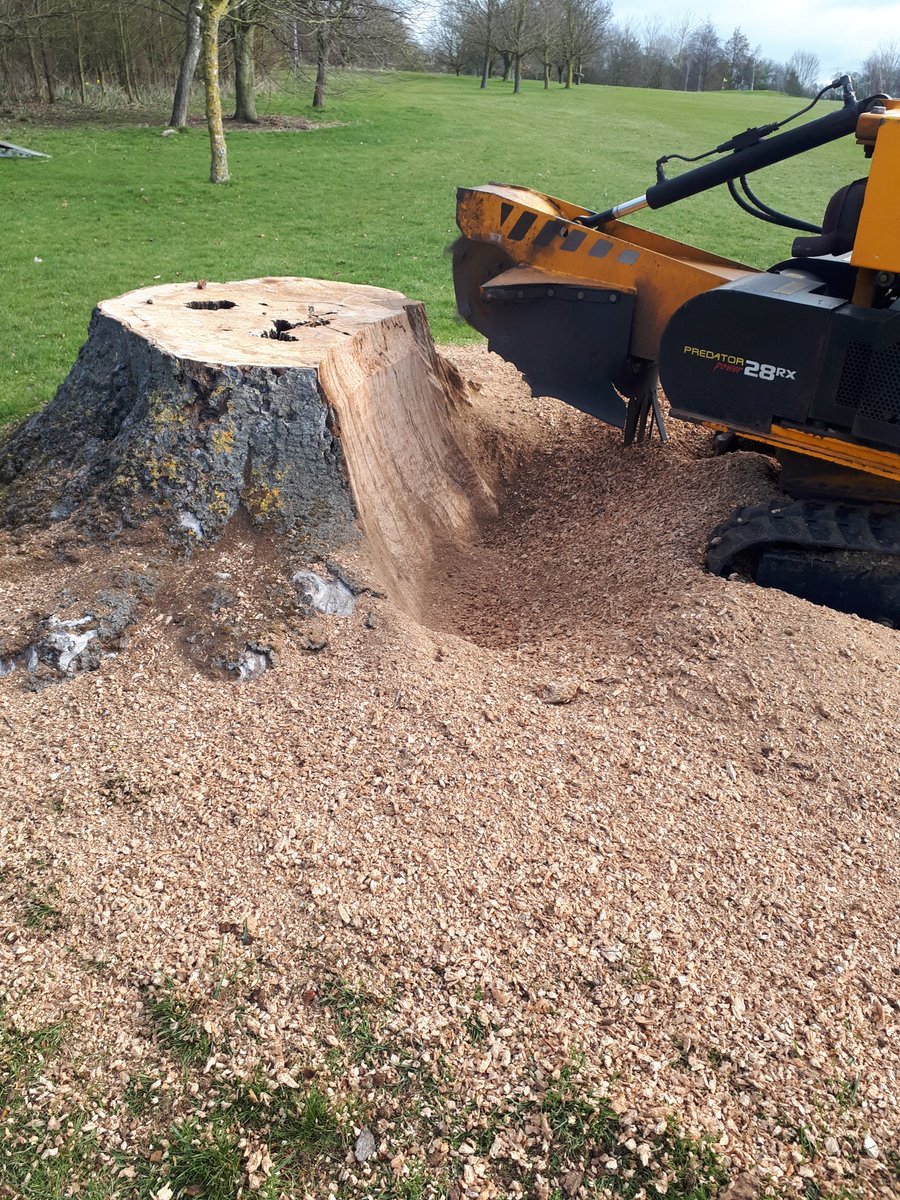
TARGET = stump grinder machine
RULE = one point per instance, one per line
(801, 361)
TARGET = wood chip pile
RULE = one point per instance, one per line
(593, 810)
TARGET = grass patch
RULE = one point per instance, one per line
(176, 1026)
(40, 1159)
(585, 1138)
(369, 199)
(41, 912)
(351, 1009)
(205, 1160)
(23, 1053)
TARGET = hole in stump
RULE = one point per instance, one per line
(281, 331)
(211, 305)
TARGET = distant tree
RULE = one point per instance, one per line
(880, 71)
(582, 25)
(801, 73)
(738, 59)
(449, 43)
(246, 16)
(681, 33)
(706, 52)
(623, 59)
(481, 18)
(657, 49)
(519, 34)
(549, 22)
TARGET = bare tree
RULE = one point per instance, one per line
(449, 40)
(880, 71)
(681, 32)
(519, 34)
(480, 18)
(657, 50)
(801, 73)
(623, 59)
(245, 18)
(706, 51)
(582, 24)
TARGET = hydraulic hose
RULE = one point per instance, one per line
(763, 153)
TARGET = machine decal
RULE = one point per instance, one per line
(522, 226)
(573, 239)
(735, 364)
(767, 371)
(549, 231)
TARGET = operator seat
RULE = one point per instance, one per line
(839, 225)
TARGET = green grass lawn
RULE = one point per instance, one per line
(370, 199)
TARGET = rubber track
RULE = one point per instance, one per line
(804, 524)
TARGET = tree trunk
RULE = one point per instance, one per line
(319, 409)
(36, 80)
(507, 65)
(127, 79)
(8, 81)
(517, 75)
(569, 72)
(48, 73)
(322, 49)
(486, 67)
(79, 54)
(546, 76)
(212, 13)
(189, 60)
(244, 66)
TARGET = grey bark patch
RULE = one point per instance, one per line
(329, 597)
(62, 644)
(58, 648)
(135, 433)
(253, 663)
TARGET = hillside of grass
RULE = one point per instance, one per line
(367, 198)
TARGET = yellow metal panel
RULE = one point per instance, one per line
(543, 232)
(854, 455)
(877, 243)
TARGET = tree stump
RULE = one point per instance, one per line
(314, 406)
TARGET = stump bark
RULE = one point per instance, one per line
(316, 406)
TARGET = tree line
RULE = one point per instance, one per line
(96, 50)
(574, 41)
(93, 51)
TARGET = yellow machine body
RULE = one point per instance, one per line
(543, 233)
(802, 360)
(877, 245)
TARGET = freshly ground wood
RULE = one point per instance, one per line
(590, 798)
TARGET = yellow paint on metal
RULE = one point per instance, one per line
(877, 245)
(846, 454)
(664, 273)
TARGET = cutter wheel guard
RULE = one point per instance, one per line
(801, 361)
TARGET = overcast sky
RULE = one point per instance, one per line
(839, 32)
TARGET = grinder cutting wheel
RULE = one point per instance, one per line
(802, 359)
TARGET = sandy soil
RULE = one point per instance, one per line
(594, 800)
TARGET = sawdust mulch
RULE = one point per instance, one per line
(593, 818)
